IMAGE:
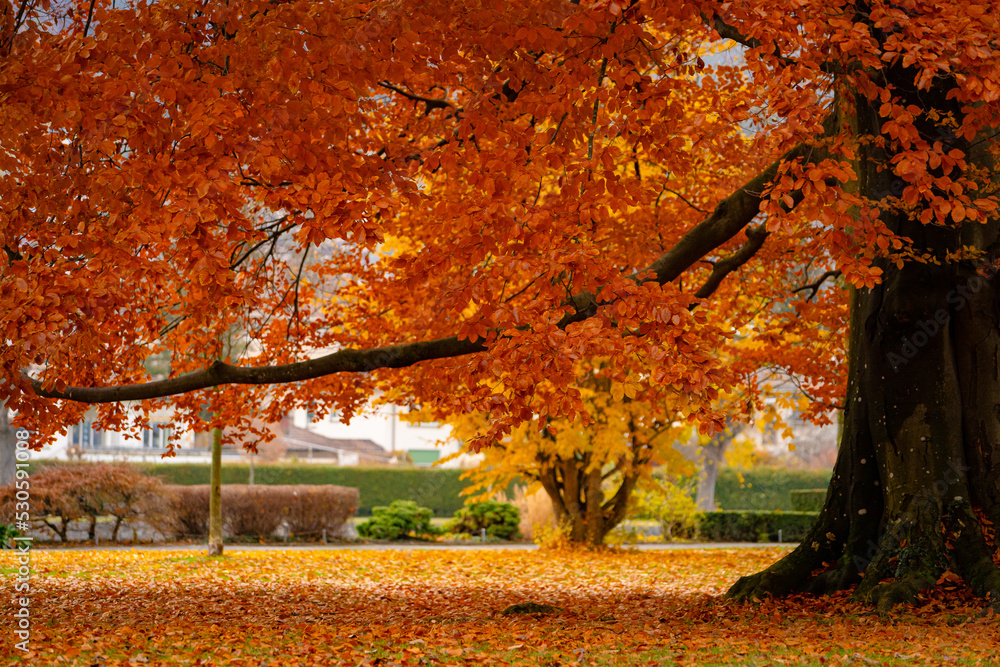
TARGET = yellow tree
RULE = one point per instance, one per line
(588, 468)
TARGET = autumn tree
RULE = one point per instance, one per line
(500, 192)
(711, 455)
(588, 470)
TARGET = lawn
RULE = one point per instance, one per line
(444, 607)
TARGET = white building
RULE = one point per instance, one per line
(381, 436)
(386, 427)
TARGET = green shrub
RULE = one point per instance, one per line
(402, 519)
(669, 503)
(7, 533)
(752, 526)
(764, 489)
(808, 500)
(501, 520)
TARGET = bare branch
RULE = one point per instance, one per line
(221, 373)
(685, 200)
(430, 103)
(814, 286)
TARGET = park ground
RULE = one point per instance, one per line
(430, 607)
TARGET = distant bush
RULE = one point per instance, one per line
(501, 520)
(61, 494)
(808, 500)
(670, 504)
(188, 510)
(535, 509)
(7, 533)
(254, 511)
(123, 492)
(314, 509)
(752, 526)
(55, 501)
(766, 489)
(402, 519)
(258, 511)
(439, 489)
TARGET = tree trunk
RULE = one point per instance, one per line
(578, 497)
(215, 497)
(58, 528)
(711, 458)
(8, 447)
(919, 463)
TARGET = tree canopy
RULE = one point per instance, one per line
(458, 207)
(498, 192)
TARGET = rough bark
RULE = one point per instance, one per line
(579, 500)
(919, 461)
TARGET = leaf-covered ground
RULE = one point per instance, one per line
(444, 607)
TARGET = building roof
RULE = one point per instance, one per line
(298, 439)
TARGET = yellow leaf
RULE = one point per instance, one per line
(617, 391)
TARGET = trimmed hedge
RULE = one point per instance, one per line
(765, 489)
(437, 488)
(808, 500)
(751, 526)
(258, 511)
(71, 491)
(314, 509)
(189, 510)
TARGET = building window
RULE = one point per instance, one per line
(84, 435)
(156, 436)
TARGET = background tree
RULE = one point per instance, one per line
(588, 470)
(711, 455)
(556, 181)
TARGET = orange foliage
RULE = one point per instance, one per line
(347, 607)
(497, 192)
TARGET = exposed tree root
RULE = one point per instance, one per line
(786, 575)
(910, 558)
(972, 558)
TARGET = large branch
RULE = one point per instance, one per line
(729, 217)
(221, 373)
(755, 241)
